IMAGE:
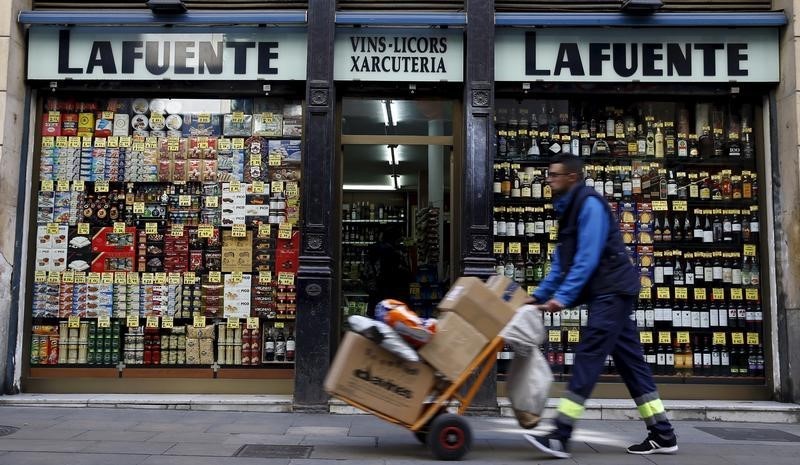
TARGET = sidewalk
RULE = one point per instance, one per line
(119, 436)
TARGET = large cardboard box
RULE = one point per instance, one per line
(478, 305)
(454, 346)
(364, 372)
(510, 291)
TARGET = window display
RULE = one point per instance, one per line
(681, 179)
(166, 232)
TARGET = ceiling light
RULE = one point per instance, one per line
(166, 6)
(385, 112)
(393, 112)
(367, 187)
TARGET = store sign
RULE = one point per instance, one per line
(646, 55)
(103, 53)
(406, 55)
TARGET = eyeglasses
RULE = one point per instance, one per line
(557, 175)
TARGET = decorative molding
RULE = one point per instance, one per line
(480, 243)
(314, 242)
(313, 290)
(319, 96)
(480, 98)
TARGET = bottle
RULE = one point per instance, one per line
(290, 347)
(678, 278)
(667, 230)
(526, 191)
(505, 186)
(669, 139)
(688, 232)
(697, 233)
(716, 362)
(672, 185)
(717, 228)
(688, 272)
(754, 225)
(694, 146)
(717, 126)
(748, 149)
(280, 347)
(516, 185)
(697, 358)
(708, 232)
(519, 270)
(269, 347)
(659, 142)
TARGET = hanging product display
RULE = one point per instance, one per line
(681, 180)
(166, 232)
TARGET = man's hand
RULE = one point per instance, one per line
(551, 306)
(530, 300)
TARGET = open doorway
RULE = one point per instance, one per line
(397, 173)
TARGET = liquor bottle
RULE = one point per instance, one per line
(585, 139)
(683, 145)
(650, 357)
(725, 361)
(727, 228)
(708, 231)
(734, 148)
(511, 139)
(631, 138)
(511, 223)
(516, 185)
(717, 270)
(717, 228)
(667, 230)
(697, 358)
(727, 272)
(290, 347)
(569, 358)
(502, 145)
(269, 346)
(509, 271)
(697, 233)
(717, 126)
(661, 360)
(716, 361)
(678, 277)
(530, 273)
(669, 270)
(659, 141)
(575, 139)
(500, 265)
(754, 225)
(688, 272)
(669, 139)
(707, 365)
(669, 360)
(755, 273)
(505, 186)
(527, 191)
(280, 347)
(748, 149)
(694, 146)
(519, 270)
(688, 232)
(672, 185)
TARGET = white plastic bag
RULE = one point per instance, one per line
(383, 335)
(529, 375)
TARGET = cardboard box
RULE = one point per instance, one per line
(366, 373)
(478, 305)
(508, 290)
(454, 346)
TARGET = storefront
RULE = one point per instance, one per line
(674, 127)
(164, 229)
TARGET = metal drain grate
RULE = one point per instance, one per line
(6, 430)
(751, 434)
(264, 451)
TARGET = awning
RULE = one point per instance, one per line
(147, 18)
(751, 19)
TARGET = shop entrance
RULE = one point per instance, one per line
(398, 172)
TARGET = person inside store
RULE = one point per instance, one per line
(388, 270)
(591, 265)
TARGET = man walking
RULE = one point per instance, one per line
(592, 266)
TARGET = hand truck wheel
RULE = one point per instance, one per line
(422, 434)
(449, 437)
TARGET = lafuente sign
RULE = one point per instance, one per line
(646, 55)
(105, 53)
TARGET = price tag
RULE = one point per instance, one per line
(189, 277)
(285, 231)
(276, 187)
(199, 321)
(224, 145)
(660, 206)
(184, 200)
(232, 323)
(573, 335)
(237, 143)
(750, 250)
(253, 322)
(119, 227)
(554, 335)
(212, 202)
(274, 159)
(718, 294)
(202, 142)
(235, 186)
(664, 337)
(112, 141)
(737, 338)
(48, 186)
(133, 321)
(292, 191)
(167, 322)
(205, 231)
(138, 207)
(499, 248)
(107, 278)
(214, 277)
(125, 141)
(645, 337)
(204, 118)
(62, 185)
(720, 339)
(681, 293)
(147, 278)
(662, 292)
(258, 187)
(40, 277)
(239, 230)
(137, 146)
(286, 279)
(52, 228)
(86, 142)
(279, 324)
(173, 144)
(176, 230)
(74, 321)
(752, 339)
(75, 142)
(264, 230)
(152, 322)
(237, 117)
(534, 248)
(553, 235)
(551, 247)
(120, 278)
(93, 278)
(679, 206)
(79, 186)
(514, 247)
(103, 321)
(133, 279)
(68, 277)
(255, 159)
(48, 142)
(80, 278)
(151, 228)
(53, 116)
(236, 277)
(736, 294)
(100, 142)
(174, 279)
(264, 277)
(54, 277)
(646, 293)
(160, 278)
(62, 142)
(101, 186)
(699, 293)
(682, 337)
(751, 294)
(266, 117)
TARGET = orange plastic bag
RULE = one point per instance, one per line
(415, 330)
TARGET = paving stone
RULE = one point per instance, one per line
(41, 445)
(123, 447)
(207, 438)
(263, 439)
(203, 450)
(319, 430)
(102, 425)
(250, 428)
(303, 419)
(132, 436)
(175, 426)
(49, 458)
(681, 459)
(45, 433)
(194, 460)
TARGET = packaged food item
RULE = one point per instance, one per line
(415, 330)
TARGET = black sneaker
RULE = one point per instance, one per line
(550, 444)
(655, 444)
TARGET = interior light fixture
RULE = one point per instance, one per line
(385, 109)
(166, 6)
(389, 112)
(367, 187)
(393, 112)
(641, 6)
(392, 159)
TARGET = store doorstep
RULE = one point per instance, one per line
(207, 402)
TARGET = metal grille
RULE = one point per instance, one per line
(614, 5)
(190, 4)
(750, 434)
(264, 451)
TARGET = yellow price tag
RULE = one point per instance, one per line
(68, 277)
(120, 278)
(662, 293)
(47, 186)
(176, 230)
(79, 186)
(103, 321)
(86, 142)
(93, 278)
(52, 228)
(554, 335)
(62, 185)
(736, 294)
(212, 202)
(718, 294)
(699, 293)
(101, 186)
(204, 118)
(645, 337)
(264, 277)
(514, 247)
(214, 277)
(285, 231)
(48, 142)
(737, 338)
(83, 228)
(751, 294)
(112, 141)
(107, 278)
(237, 117)
(551, 247)
(664, 337)
(264, 230)
(100, 143)
(720, 339)
(133, 321)
(160, 278)
(749, 250)
(119, 227)
(53, 116)
(125, 141)
(147, 278)
(682, 337)
(184, 200)
(286, 279)
(174, 279)
(152, 322)
(292, 190)
(151, 228)
(679, 206)
(239, 230)
(660, 206)
(189, 277)
(75, 142)
(199, 321)
(253, 322)
(279, 325)
(259, 187)
(499, 248)
(74, 321)
(205, 231)
(276, 187)
(236, 277)
(681, 293)
(534, 248)
(573, 335)
(167, 322)
(62, 142)
(274, 159)
(137, 146)
(40, 277)
(54, 277)
(202, 142)
(237, 143)
(752, 339)
(138, 207)
(80, 278)
(232, 323)
(235, 186)
(255, 159)
(107, 115)
(266, 117)
(133, 279)
(553, 235)
(645, 293)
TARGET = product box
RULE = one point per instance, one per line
(478, 305)
(508, 290)
(365, 373)
(454, 346)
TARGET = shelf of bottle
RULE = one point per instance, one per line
(373, 221)
(358, 243)
(667, 161)
(666, 379)
(691, 204)
(693, 245)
